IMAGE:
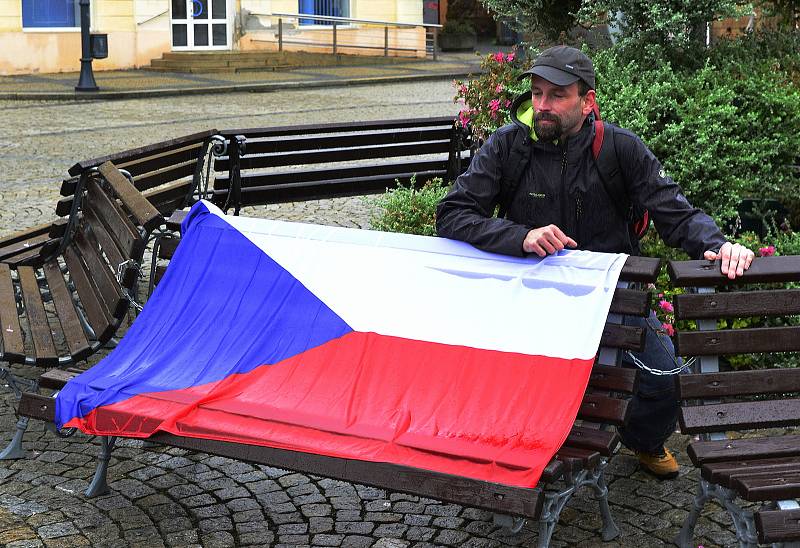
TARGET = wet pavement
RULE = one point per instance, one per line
(170, 497)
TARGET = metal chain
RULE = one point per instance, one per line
(674, 371)
(120, 270)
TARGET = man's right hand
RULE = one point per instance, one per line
(547, 240)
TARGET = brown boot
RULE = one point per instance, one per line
(663, 465)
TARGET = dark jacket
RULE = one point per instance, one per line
(562, 186)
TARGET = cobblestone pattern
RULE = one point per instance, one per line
(171, 497)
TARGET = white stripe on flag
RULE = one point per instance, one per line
(438, 290)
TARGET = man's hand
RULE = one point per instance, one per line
(735, 259)
(546, 240)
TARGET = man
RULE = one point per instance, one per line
(560, 201)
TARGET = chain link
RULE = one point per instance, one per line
(120, 271)
(679, 367)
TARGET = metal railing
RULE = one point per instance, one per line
(363, 31)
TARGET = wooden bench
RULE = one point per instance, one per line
(66, 302)
(760, 464)
(298, 163)
(579, 463)
(168, 174)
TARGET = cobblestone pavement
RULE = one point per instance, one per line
(170, 497)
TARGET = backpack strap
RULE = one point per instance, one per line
(512, 169)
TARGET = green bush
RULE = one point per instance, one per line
(725, 132)
(409, 209)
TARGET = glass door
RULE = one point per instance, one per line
(201, 24)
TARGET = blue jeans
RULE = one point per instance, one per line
(654, 407)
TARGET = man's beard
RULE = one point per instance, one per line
(548, 132)
(555, 130)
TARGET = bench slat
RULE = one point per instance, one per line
(777, 525)
(737, 341)
(17, 248)
(762, 270)
(13, 344)
(305, 176)
(757, 487)
(738, 304)
(603, 409)
(96, 313)
(623, 336)
(576, 458)
(630, 302)
(167, 198)
(739, 416)
(594, 439)
(101, 276)
(738, 383)
(722, 472)
(171, 174)
(74, 334)
(143, 211)
(704, 452)
(55, 379)
(321, 190)
(618, 379)
(491, 496)
(44, 348)
(553, 471)
(114, 219)
(305, 142)
(338, 127)
(107, 243)
(337, 155)
(142, 152)
(167, 247)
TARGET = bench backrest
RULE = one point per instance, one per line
(297, 163)
(737, 400)
(166, 172)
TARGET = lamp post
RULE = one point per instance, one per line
(86, 81)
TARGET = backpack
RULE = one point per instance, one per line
(604, 152)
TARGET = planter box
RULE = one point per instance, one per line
(457, 42)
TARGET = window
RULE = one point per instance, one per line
(50, 13)
(334, 8)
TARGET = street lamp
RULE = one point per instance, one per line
(86, 81)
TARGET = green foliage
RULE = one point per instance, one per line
(487, 98)
(548, 18)
(724, 132)
(408, 209)
(458, 26)
(676, 27)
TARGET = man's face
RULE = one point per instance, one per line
(558, 110)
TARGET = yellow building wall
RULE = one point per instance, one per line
(10, 15)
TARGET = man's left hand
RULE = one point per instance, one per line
(735, 259)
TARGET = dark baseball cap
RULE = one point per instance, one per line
(562, 66)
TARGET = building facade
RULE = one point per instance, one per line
(43, 36)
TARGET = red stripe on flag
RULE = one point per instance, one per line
(489, 415)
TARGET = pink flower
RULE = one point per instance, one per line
(508, 103)
(462, 89)
(665, 305)
(499, 88)
(499, 57)
(668, 329)
(768, 251)
(463, 118)
(494, 105)
(510, 57)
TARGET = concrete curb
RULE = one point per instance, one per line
(254, 88)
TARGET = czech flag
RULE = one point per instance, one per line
(357, 344)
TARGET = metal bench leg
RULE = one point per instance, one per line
(684, 538)
(14, 448)
(610, 530)
(99, 485)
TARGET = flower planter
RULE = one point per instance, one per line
(457, 42)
